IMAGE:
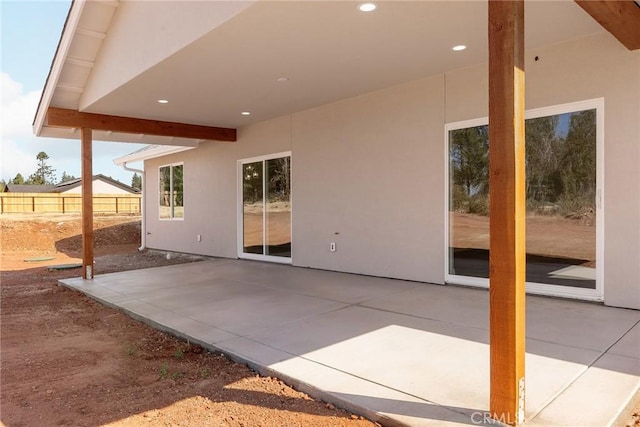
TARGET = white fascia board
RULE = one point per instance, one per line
(149, 152)
(58, 62)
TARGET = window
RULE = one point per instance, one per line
(171, 191)
(563, 217)
(265, 208)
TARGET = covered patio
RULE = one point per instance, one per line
(400, 352)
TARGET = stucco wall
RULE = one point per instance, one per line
(210, 196)
(372, 169)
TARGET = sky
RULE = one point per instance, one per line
(29, 35)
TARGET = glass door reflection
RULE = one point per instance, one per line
(266, 208)
(560, 200)
(253, 208)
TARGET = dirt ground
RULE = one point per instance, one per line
(66, 360)
(547, 235)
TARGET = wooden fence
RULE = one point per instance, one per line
(68, 203)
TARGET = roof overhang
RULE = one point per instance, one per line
(149, 152)
(84, 31)
(214, 60)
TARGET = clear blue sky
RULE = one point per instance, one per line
(30, 31)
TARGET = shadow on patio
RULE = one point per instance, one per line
(392, 350)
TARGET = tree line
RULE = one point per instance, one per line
(45, 174)
(560, 166)
(277, 182)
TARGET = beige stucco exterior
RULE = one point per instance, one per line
(372, 170)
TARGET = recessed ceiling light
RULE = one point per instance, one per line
(282, 79)
(246, 113)
(163, 101)
(367, 7)
(459, 47)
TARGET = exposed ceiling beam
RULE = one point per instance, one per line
(62, 117)
(620, 17)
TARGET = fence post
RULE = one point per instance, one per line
(1, 205)
(33, 204)
(116, 204)
(62, 204)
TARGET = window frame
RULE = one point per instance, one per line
(172, 216)
(240, 209)
(596, 294)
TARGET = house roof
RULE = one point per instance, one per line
(65, 186)
(77, 182)
(214, 60)
(149, 152)
(28, 188)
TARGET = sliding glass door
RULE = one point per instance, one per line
(265, 208)
(563, 201)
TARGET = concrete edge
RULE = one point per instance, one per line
(313, 391)
(626, 414)
(299, 385)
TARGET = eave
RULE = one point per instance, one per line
(73, 58)
(149, 152)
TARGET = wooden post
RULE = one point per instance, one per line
(87, 204)
(507, 210)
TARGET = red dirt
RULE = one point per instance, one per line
(546, 235)
(67, 360)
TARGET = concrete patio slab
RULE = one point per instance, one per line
(403, 353)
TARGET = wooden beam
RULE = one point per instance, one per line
(87, 204)
(507, 210)
(62, 117)
(619, 17)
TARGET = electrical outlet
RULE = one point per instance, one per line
(198, 238)
(332, 246)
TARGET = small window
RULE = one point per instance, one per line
(171, 192)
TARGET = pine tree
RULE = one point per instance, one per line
(136, 181)
(17, 180)
(66, 177)
(45, 174)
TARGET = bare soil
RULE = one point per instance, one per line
(67, 360)
(547, 235)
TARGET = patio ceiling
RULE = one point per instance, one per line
(325, 50)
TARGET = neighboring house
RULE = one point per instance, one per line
(361, 142)
(28, 188)
(101, 185)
